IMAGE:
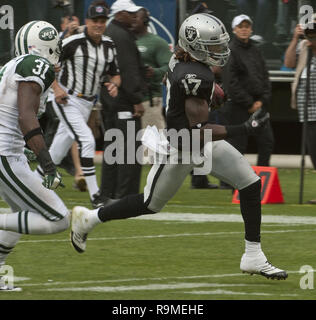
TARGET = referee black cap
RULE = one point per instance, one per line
(97, 11)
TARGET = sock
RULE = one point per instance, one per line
(252, 248)
(27, 222)
(127, 207)
(88, 170)
(8, 240)
(250, 207)
(92, 185)
(94, 217)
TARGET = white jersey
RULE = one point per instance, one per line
(23, 68)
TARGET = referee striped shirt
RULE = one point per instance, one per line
(84, 62)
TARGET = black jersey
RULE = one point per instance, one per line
(186, 79)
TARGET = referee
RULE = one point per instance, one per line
(86, 58)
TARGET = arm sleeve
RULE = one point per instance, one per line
(36, 69)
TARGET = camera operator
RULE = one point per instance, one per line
(302, 56)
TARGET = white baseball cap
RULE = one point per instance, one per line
(124, 5)
(239, 19)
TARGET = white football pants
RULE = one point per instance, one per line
(35, 209)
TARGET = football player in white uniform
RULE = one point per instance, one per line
(203, 43)
(24, 84)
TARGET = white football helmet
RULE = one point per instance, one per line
(39, 38)
(205, 38)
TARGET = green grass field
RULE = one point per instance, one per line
(195, 259)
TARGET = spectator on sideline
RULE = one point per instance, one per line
(246, 80)
(126, 110)
(155, 53)
(297, 56)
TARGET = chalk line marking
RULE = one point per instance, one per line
(224, 217)
(161, 236)
(146, 287)
(207, 217)
(227, 292)
(224, 275)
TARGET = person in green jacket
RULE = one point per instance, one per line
(155, 53)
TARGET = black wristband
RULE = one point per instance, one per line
(46, 162)
(32, 133)
(236, 130)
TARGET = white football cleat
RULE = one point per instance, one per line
(81, 224)
(260, 265)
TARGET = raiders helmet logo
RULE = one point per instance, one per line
(190, 33)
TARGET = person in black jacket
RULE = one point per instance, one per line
(125, 111)
(247, 82)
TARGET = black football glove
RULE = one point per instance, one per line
(257, 120)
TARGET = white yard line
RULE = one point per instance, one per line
(177, 235)
(223, 217)
(153, 286)
(226, 217)
(174, 278)
(233, 293)
(51, 283)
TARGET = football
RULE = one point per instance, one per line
(218, 97)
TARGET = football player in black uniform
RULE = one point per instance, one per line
(203, 42)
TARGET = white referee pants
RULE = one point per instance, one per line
(73, 118)
(228, 164)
